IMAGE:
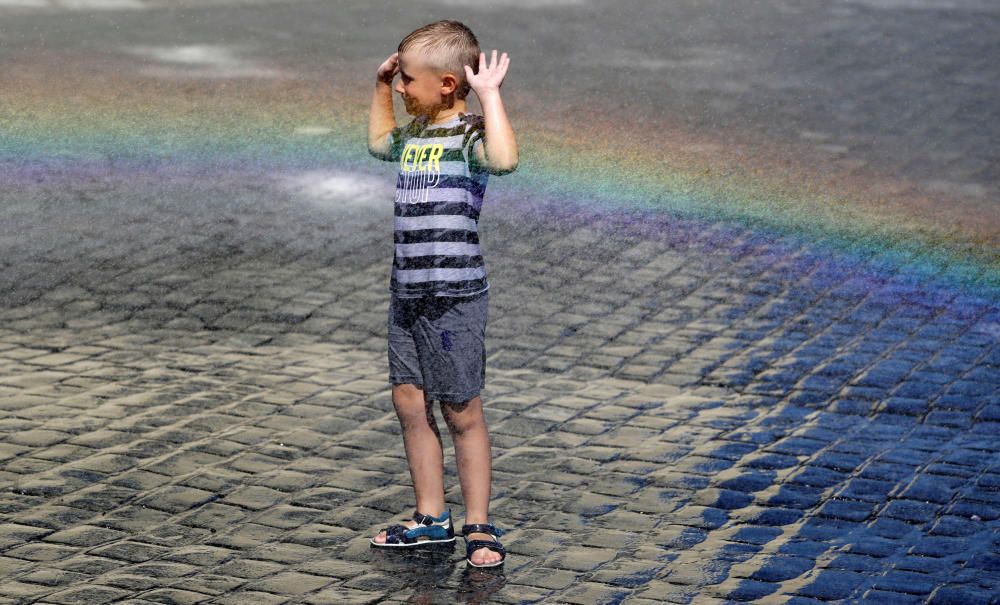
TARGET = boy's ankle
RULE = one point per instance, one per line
(431, 511)
(476, 521)
(423, 517)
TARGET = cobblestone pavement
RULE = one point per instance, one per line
(194, 406)
(195, 410)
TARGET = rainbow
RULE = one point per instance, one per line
(80, 122)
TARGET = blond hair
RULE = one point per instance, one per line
(446, 45)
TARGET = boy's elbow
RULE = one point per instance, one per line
(506, 170)
(378, 153)
(379, 146)
(507, 167)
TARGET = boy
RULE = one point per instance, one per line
(439, 291)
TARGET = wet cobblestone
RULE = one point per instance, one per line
(159, 453)
(194, 405)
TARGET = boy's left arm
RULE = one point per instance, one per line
(499, 153)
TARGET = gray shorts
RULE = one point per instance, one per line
(439, 343)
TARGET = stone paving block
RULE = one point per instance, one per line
(590, 592)
(171, 534)
(697, 574)
(752, 534)
(26, 466)
(253, 497)
(746, 590)
(248, 568)
(955, 594)
(240, 597)
(859, 563)
(536, 542)
(377, 580)
(653, 500)
(721, 498)
(12, 534)
(175, 595)
(38, 437)
(627, 574)
(175, 498)
(848, 510)
(751, 481)
(346, 596)
(200, 555)
(87, 594)
(593, 505)
(885, 596)
(912, 511)
(549, 578)
(22, 590)
(127, 550)
(320, 535)
(182, 463)
(905, 582)
(831, 585)
(290, 583)
(84, 535)
(133, 518)
(334, 568)
(40, 551)
(949, 525)
(659, 452)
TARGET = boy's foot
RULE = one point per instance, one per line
(483, 556)
(482, 545)
(380, 536)
(423, 529)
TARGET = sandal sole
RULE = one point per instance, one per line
(411, 544)
(497, 564)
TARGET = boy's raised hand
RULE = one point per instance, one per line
(387, 71)
(490, 76)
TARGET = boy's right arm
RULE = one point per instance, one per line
(382, 119)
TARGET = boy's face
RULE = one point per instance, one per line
(422, 89)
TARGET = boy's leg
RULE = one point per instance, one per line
(422, 442)
(467, 426)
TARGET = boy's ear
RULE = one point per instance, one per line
(449, 83)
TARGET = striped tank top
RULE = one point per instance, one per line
(439, 193)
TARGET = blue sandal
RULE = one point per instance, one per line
(429, 530)
(472, 546)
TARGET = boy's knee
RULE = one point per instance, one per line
(407, 393)
(411, 407)
(463, 416)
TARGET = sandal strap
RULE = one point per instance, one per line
(396, 534)
(473, 545)
(482, 528)
(423, 519)
(400, 534)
